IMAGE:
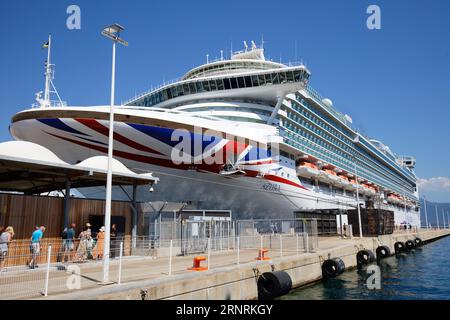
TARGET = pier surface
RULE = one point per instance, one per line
(148, 278)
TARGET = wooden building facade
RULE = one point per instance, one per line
(25, 212)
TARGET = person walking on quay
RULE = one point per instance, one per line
(98, 250)
(88, 229)
(83, 247)
(5, 239)
(35, 247)
(68, 243)
(113, 236)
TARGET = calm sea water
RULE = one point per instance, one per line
(421, 274)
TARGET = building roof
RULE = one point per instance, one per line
(31, 168)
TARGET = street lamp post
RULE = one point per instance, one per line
(357, 200)
(112, 32)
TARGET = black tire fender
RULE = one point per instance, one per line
(364, 257)
(409, 245)
(399, 247)
(273, 284)
(331, 268)
(418, 242)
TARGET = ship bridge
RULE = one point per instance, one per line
(241, 61)
(246, 76)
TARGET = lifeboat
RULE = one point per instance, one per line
(364, 188)
(344, 181)
(352, 185)
(308, 170)
(372, 190)
(394, 199)
(328, 176)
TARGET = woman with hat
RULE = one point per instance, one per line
(100, 242)
(88, 229)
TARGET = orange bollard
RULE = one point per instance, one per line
(261, 254)
(196, 265)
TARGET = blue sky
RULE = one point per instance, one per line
(394, 82)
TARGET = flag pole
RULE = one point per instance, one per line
(47, 74)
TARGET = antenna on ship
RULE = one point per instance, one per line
(253, 45)
(221, 55)
(245, 45)
(295, 51)
(262, 41)
(47, 72)
(49, 76)
(207, 58)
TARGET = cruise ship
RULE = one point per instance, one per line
(242, 133)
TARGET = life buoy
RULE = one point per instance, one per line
(331, 268)
(273, 284)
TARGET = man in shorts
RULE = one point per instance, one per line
(35, 247)
(68, 244)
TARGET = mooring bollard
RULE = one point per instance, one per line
(170, 257)
(120, 262)
(261, 255)
(47, 274)
(196, 264)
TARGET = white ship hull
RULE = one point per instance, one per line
(263, 192)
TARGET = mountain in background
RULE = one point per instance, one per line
(443, 213)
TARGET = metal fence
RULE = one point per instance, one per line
(57, 267)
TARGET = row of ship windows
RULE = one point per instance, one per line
(321, 114)
(378, 163)
(326, 187)
(333, 159)
(243, 119)
(312, 124)
(332, 190)
(222, 108)
(319, 101)
(340, 144)
(383, 155)
(230, 66)
(223, 84)
(322, 123)
(337, 153)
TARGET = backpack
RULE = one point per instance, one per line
(64, 234)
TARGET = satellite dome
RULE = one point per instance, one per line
(327, 102)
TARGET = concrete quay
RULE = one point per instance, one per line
(239, 282)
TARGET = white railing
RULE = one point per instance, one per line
(63, 268)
